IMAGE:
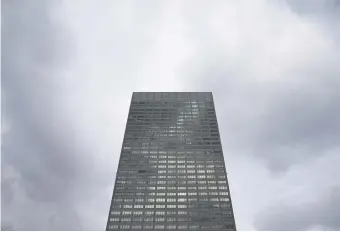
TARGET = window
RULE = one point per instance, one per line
(148, 227)
(126, 219)
(137, 213)
(137, 219)
(171, 206)
(223, 193)
(160, 212)
(149, 213)
(192, 193)
(182, 199)
(138, 206)
(125, 227)
(115, 219)
(160, 194)
(159, 227)
(159, 219)
(136, 227)
(171, 219)
(115, 212)
(126, 213)
(148, 219)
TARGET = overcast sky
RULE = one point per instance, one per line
(69, 69)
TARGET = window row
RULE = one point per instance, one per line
(169, 227)
(152, 200)
(171, 182)
(168, 206)
(154, 188)
(141, 194)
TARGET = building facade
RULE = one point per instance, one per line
(171, 173)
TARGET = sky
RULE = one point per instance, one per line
(69, 68)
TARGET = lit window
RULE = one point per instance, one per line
(126, 213)
(159, 219)
(160, 212)
(115, 219)
(126, 219)
(127, 206)
(182, 199)
(160, 200)
(171, 206)
(125, 227)
(115, 212)
(149, 206)
(182, 194)
(192, 194)
(138, 206)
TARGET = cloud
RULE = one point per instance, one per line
(38, 151)
(69, 69)
(322, 214)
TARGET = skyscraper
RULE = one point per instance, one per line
(171, 173)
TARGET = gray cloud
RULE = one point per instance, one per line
(38, 152)
(322, 214)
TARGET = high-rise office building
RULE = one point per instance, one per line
(171, 173)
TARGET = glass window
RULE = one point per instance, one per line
(115, 219)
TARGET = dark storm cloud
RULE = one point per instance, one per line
(322, 214)
(38, 152)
